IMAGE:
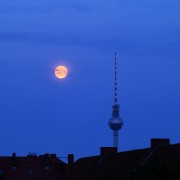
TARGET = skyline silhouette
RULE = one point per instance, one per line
(40, 113)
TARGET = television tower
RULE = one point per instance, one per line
(115, 122)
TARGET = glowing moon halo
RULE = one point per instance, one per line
(61, 72)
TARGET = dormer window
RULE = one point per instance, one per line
(46, 167)
(14, 168)
(30, 172)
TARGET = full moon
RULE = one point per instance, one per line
(61, 72)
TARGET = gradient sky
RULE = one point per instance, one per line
(40, 113)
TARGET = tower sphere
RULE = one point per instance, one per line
(115, 123)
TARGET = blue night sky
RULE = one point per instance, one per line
(42, 114)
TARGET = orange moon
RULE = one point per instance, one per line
(61, 72)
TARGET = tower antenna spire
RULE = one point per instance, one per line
(115, 122)
(115, 81)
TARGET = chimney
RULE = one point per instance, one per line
(155, 142)
(13, 161)
(107, 150)
(53, 155)
(70, 159)
(46, 155)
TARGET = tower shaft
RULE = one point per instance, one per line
(115, 140)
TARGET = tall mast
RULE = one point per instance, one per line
(115, 122)
(115, 80)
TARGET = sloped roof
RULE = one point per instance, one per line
(98, 167)
(31, 167)
(121, 165)
(163, 163)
